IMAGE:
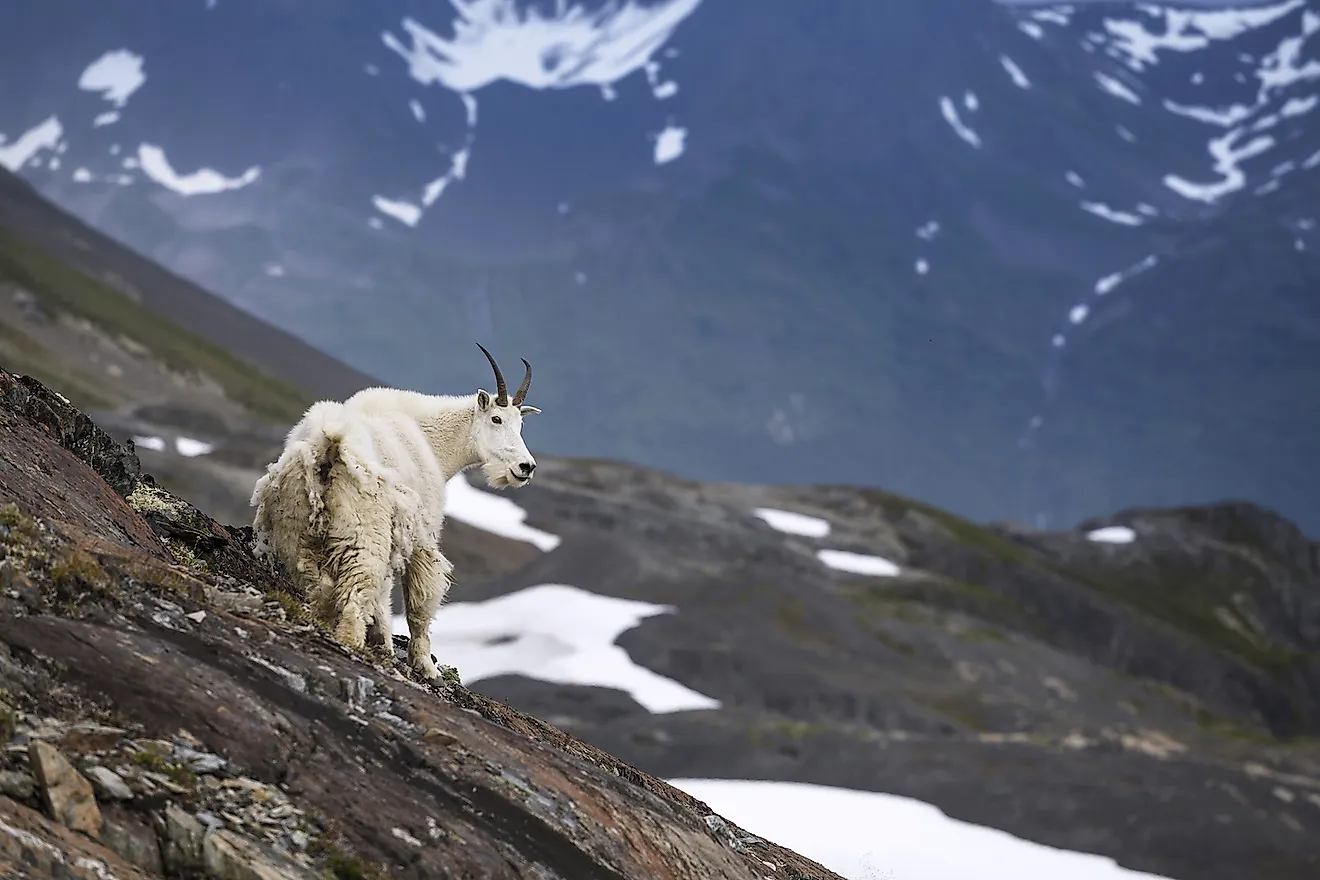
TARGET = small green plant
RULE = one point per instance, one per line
(8, 717)
(340, 864)
(158, 764)
(11, 517)
(75, 570)
(293, 608)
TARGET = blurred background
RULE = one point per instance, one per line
(1027, 262)
(1031, 264)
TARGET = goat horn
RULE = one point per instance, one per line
(526, 383)
(501, 390)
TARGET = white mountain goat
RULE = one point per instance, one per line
(358, 495)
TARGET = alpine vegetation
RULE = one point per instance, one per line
(358, 496)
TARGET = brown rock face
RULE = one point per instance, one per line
(67, 795)
(153, 645)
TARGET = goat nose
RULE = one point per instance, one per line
(527, 467)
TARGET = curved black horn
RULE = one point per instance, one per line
(501, 390)
(526, 383)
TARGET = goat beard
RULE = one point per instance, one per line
(498, 476)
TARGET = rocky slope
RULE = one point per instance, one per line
(1156, 701)
(166, 713)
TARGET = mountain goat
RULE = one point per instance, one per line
(358, 495)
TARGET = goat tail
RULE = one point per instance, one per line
(290, 497)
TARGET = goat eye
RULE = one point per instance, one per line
(497, 420)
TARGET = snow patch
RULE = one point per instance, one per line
(492, 513)
(565, 47)
(556, 633)
(837, 828)
(1123, 218)
(45, 135)
(858, 563)
(405, 212)
(928, 230)
(1298, 106)
(1077, 314)
(950, 113)
(190, 448)
(1109, 282)
(669, 144)
(1116, 88)
(1014, 72)
(1228, 156)
(791, 523)
(1276, 70)
(457, 171)
(155, 444)
(1183, 30)
(204, 181)
(922, 267)
(1222, 116)
(1112, 535)
(116, 75)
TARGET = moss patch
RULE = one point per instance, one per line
(63, 288)
(1186, 598)
(879, 600)
(964, 709)
(962, 531)
(157, 764)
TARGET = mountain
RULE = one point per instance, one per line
(1023, 261)
(1143, 689)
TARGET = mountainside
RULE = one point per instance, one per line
(1145, 687)
(166, 708)
(1147, 690)
(1061, 256)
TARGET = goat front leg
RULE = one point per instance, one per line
(425, 583)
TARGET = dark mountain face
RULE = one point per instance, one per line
(1020, 261)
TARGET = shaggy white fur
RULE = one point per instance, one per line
(358, 496)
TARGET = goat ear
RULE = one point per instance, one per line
(528, 410)
(483, 400)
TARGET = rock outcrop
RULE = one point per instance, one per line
(167, 712)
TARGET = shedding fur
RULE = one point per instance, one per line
(357, 499)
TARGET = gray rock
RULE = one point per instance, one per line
(134, 843)
(108, 784)
(20, 786)
(230, 856)
(181, 837)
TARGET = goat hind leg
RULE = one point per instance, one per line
(379, 630)
(358, 563)
(425, 583)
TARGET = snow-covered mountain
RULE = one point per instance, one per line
(1020, 260)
